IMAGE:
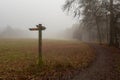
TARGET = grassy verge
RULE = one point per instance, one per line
(62, 59)
(115, 53)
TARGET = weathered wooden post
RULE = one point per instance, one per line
(39, 28)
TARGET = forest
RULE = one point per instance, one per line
(98, 19)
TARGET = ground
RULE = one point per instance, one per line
(63, 60)
(104, 67)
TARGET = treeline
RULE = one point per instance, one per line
(99, 19)
(10, 32)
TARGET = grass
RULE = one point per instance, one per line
(62, 59)
(115, 53)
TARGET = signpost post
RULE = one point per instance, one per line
(39, 28)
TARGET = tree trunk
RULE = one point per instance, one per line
(111, 43)
(107, 29)
(98, 31)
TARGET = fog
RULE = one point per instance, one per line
(23, 14)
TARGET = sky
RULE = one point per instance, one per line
(23, 14)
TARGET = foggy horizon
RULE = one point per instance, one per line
(24, 14)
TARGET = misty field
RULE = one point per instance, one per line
(62, 59)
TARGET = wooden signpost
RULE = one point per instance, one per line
(39, 28)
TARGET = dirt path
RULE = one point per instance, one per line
(101, 69)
